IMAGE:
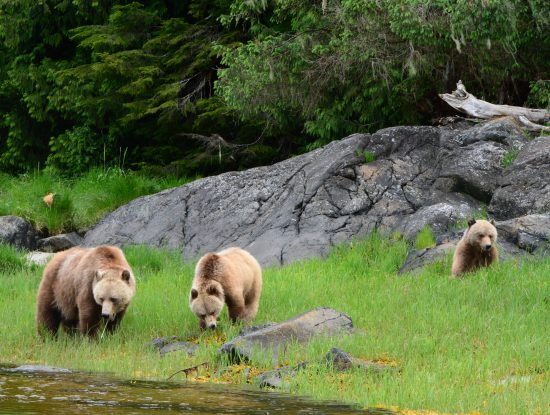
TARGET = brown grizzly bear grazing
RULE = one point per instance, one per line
(232, 276)
(82, 285)
(477, 248)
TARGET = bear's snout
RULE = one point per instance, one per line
(487, 247)
(210, 322)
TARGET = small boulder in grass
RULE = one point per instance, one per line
(276, 378)
(343, 361)
(160, 342)
(60, 242)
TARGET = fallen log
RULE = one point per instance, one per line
(463, 101)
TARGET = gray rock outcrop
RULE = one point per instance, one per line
(298, 208)
(17, 232)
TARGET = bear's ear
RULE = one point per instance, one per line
(194, 294)
(98, 275)
(212, 290)
(126, 275)
(492, 222)
(471, 222)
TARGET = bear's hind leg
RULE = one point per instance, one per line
(48, 317)
(251, 307)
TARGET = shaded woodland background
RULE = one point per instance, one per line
(200, 87)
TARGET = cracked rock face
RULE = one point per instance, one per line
(299, 208)
(524, 187)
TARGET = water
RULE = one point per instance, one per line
(82, 394)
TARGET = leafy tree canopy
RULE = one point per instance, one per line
(206, 86)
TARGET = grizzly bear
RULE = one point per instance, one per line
(477, 248)
(80, 286)
(232, 276)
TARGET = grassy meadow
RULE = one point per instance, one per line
(78, 202)
(475, 345)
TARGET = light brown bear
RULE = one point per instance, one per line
(232, 276)
(82, 285)
(477, 248)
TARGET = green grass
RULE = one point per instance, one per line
(509, 157)
(454, 341)
(78, 203)
(425, 238)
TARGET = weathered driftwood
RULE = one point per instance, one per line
(469, 104)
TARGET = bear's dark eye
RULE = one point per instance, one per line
(113, 300)
(101, 299)
(203, 316)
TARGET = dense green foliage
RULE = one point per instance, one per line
(205, 86)
(358, 65)
(476, 345)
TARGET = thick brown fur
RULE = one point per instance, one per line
(476, 249)
(80, 285)
(231, 276)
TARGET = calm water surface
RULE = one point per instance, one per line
(66, 394)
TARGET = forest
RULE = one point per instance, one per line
(198, 87)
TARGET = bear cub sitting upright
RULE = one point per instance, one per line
(477, 248)
(232, 276)
(80, 286)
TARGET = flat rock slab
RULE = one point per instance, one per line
(251, 329)
(38, 369)
(39, 258)
(188, 347)
(299, 329)
(343, 361)
(60, 242)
